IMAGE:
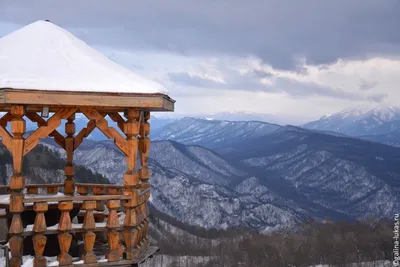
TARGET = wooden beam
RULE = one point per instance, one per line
(6, 137)
(58, 137)
(44, 131)
(85, 132)
(102, 125)
(76, 198)
(6, 119)
(118, 119)
(158, 102)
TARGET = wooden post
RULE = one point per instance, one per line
(64, 238)
(17, 183)
(144, 175)
(69, 188)
(89, 236)
(144, 145)
(39, 239)
(131, 180)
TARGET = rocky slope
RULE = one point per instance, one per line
(197, 186)
(334, 176)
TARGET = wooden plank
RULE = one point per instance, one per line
(159, 102)
(6, 137)
(76, 198)
(43, 185)
(99, 185)
(74, 230)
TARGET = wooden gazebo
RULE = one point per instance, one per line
(47, 72)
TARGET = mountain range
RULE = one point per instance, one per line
(212, 133)
(251, 174)
(261, 181)
(359, 121)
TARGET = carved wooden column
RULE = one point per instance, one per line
(144, 147)
(144, 175)
(69, 187)
(17, 183)
(89, 236)
(64, 238)
(39, 239)
(131, 180)
(113, 235)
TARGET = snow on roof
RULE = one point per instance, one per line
(44, 56)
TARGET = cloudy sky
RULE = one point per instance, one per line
(298, 59)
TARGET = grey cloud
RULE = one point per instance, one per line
(377, 97)
(274, 30)
(185, 79)
(366, 85)
(251, 82)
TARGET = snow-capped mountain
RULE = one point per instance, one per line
(212, 133)
(265, 182)
(240, 116)
(360, 121)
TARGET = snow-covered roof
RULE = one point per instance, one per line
(44, 56)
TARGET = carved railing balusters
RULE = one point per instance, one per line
(39, 239)
(89, 236)
(32, 190)
(64, 237)
(92, 198)
(113, 235)
(52, 190)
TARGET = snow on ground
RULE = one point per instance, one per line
(363, 264)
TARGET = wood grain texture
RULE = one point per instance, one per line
(15, 243)
(44, 131)
(17, 183)
(64, 241)
(88, 256)
(39, 243)
(157, 102)
(102, 125)
(85, 132)
(69, 186)
(144, 147)
(58, 137)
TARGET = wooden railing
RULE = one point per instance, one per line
(91, 198)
